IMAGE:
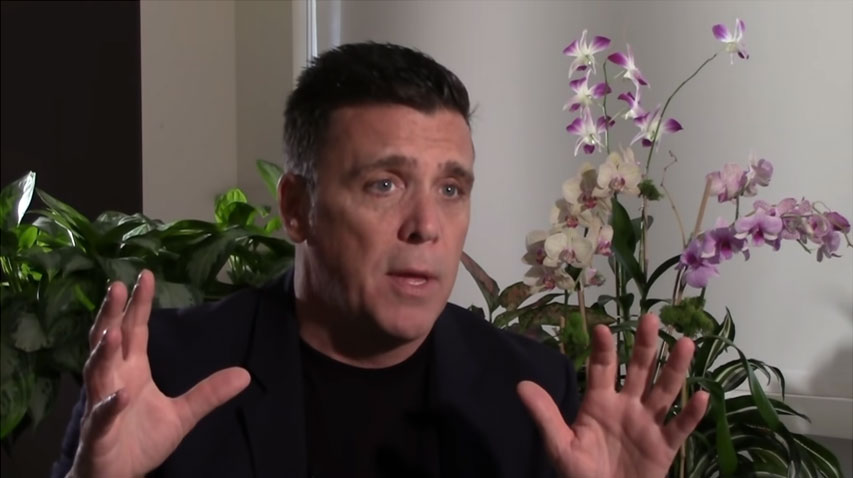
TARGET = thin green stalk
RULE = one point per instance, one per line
(665, 105)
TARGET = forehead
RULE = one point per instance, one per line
(359, 134)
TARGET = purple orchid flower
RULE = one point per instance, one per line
(838, 222)
(759, 174)
(590, 132)
(698, 270)
(761, 227)
(831, 242)
(726, 243)
(734, 42)
(648, 124)
(634, 108)
(584, 95)
(584, 52)
(728, 183)
(626, 61)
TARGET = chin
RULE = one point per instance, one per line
(409, 323)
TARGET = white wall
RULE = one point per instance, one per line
(264, 79)
(189, 109)
(215, 75)
(790, 103)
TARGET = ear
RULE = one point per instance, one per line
(294, 203)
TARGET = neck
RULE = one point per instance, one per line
(355, 341)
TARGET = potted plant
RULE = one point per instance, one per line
(56, 264)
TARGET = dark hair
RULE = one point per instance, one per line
(360, 74)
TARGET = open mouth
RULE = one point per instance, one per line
(411, 279)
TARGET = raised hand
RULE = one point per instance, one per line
(129, 427)
(620, 434)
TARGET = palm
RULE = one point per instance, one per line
(620, 434)
(130, 426)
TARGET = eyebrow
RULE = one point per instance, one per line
(398, 161)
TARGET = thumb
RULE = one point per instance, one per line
(210, 393)
(555, 432)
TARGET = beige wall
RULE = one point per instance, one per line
(214, 78)
(264, 79)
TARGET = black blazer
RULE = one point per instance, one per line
(484, 429)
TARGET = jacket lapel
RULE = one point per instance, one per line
(272, 413)
(484, 428)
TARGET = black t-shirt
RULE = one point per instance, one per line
(369, 422)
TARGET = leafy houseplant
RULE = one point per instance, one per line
(740, 435)
(55, 269)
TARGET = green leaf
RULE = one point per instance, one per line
(513, 296)
(223, 203)
(83, 299)
(14, 398)
(478, 311)
(273, 225)
(15, 200)
(69, 217)
(10, 360)
(206, 260)
(27, 235)
(125, 269)
(765, 408)
(54, 234)
(661, 269)
(726, 455)
(826, 462)
(44, 393)
(29, 335)
(175, 295)
(241, 214)
(504, 318)
(488, 287)
(270, 173)
(709, 349)
(624, 243)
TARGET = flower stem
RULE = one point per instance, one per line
(604, 107)
(705, 195)
(671, 202)
(665, 105)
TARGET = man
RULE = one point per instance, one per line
(353, 363)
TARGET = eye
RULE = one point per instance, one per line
(451, 190)
(382, 186)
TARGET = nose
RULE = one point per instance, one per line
(421, 220)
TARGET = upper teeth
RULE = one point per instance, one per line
(416, 281)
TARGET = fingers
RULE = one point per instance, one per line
(209, 394)
(672, 377)
(103, 415)
(99, 367)
(601, 372)
(548, 418)
(682, 425)
(134, 327)
(110, 314)
(643, 356)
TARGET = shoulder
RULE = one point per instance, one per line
(188, 344)
(513, 355)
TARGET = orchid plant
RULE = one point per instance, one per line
(740, 435)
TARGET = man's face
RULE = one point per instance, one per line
(389, 216)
